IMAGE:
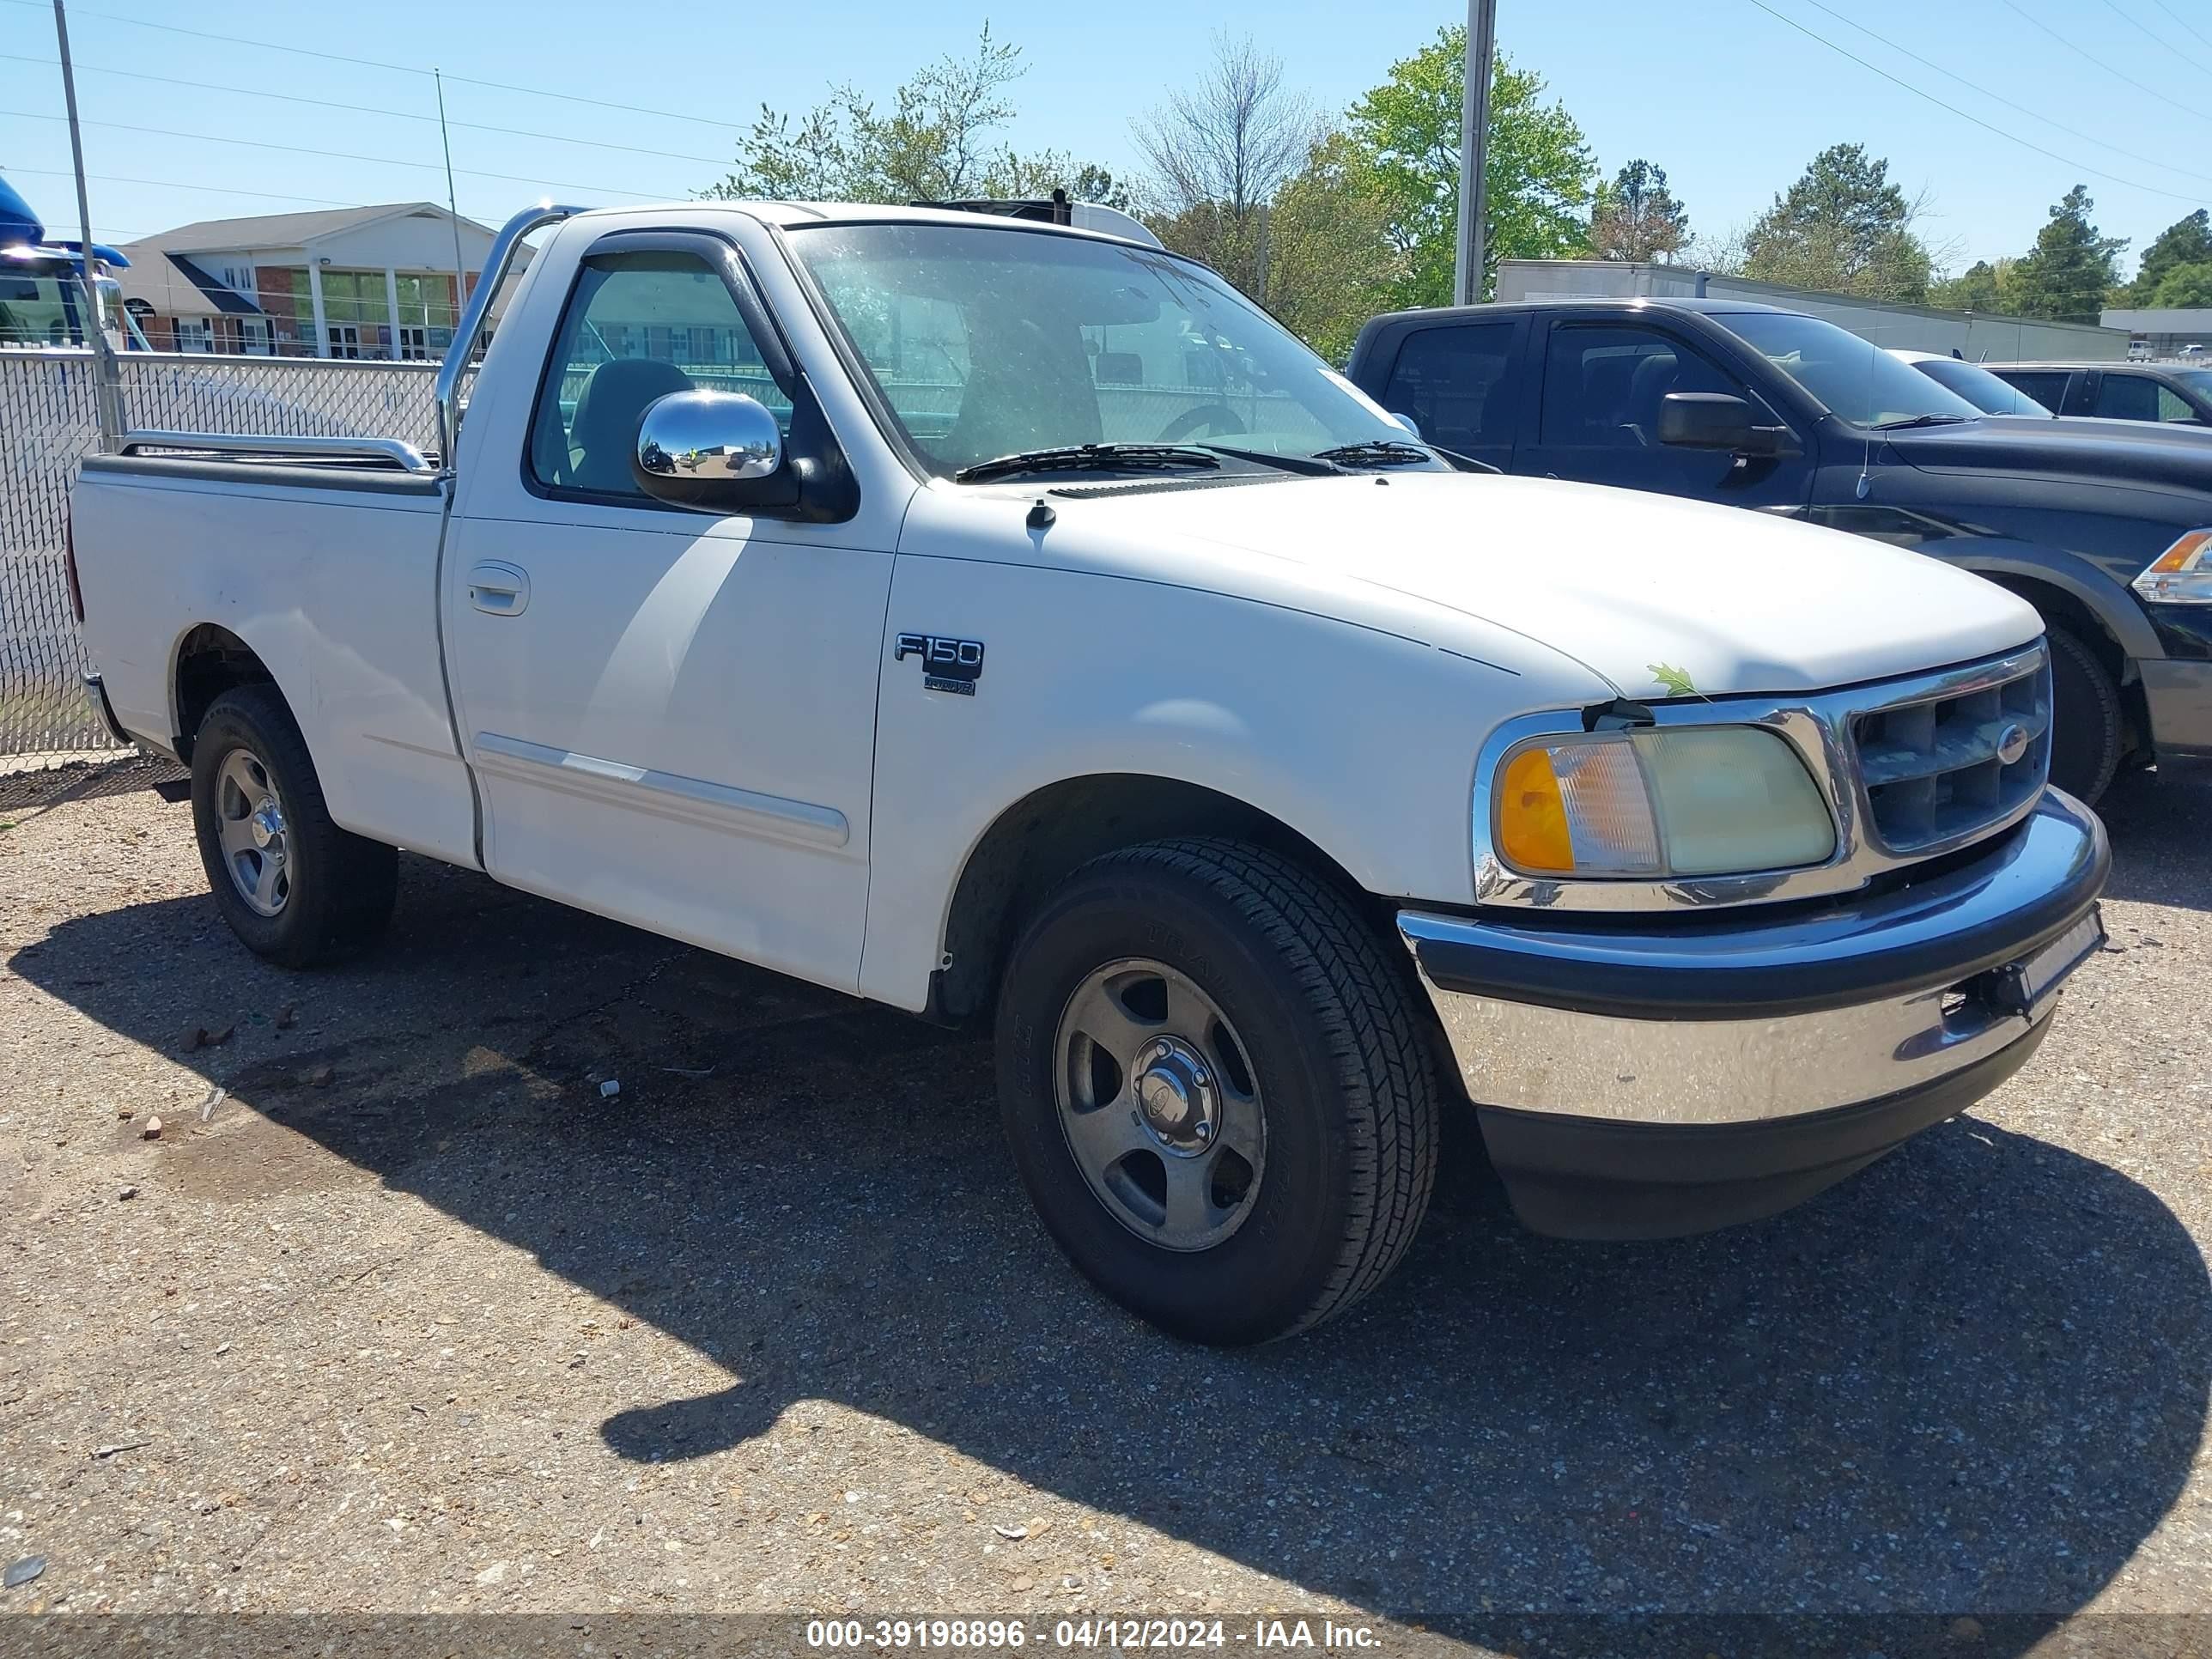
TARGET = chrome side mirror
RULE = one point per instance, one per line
(688, 442)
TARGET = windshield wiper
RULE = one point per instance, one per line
(1375, 451)
(1911, 421)
(1087, 458)
(1303, 466)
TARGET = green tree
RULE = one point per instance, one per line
(1536, 178)
(937, 142)
(2185, 242)
(2072, 269)
(1980, 287)
(2183, 287)
(1842, 226)
(1330, 262)
(1636, 216)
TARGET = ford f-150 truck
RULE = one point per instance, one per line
(2108, 534)
(1006, 622)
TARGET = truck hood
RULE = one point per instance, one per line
(1643, 589)
(2090, 451)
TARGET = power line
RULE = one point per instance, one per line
(179, 184)
(2148, 34)
(396, 69)
(347, 155)
(2183, 21)
(1998, 97)
(2012, 137)
(368, 109)
(2118, 74)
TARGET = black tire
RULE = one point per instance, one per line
(338, 887)
(1327, 1019)
(2086, 723)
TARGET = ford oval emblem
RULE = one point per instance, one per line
(2012, 743)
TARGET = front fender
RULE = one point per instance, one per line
(1361, 741)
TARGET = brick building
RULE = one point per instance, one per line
(368, 282)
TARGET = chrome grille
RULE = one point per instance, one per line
(1937, 771)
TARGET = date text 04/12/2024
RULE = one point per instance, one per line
(882, 1634)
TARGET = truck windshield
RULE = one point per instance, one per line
(1856, 379)
(33, 311)
(1980, 388)
(987, 342)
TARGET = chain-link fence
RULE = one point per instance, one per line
(48, 422)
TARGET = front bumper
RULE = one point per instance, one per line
(1648, 1076)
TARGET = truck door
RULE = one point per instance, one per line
(670, 715)
(1601, 389)
(1461, 384)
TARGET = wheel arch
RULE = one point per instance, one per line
(2065, 605)
(209, 661)
(1058, 827)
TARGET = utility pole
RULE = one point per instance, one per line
(108, 391)
(1474, 143)
(452, 206)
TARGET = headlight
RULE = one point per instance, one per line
(1688, 801)
(2182, 574)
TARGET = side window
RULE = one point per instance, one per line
(1603, 385)
(2128, 397)
(2047, 388)
(1460, 385)
(2171, 406)
(638, 326)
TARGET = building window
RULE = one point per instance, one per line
(256, 336)
(193, 335)
(414, 343)
(344, 340)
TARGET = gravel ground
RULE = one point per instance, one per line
(414, 1318)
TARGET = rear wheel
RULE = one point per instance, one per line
(1215, 1089)
(294, 886)
(2085, 724)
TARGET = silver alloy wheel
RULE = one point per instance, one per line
(1159, 1104)
(250, 818)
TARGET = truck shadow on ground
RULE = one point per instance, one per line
(1971, 1381)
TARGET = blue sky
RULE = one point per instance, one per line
(1731, 100)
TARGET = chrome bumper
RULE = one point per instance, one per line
(1736, 1020)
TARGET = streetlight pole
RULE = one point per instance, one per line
(108, 393)
(1473, 142)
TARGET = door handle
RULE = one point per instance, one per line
(499, 590)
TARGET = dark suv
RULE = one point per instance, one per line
(2168, 393)
(2107, 532)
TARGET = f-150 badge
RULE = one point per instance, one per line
(947, 665)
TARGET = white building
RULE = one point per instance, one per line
(368, 282)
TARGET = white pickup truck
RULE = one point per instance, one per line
(1007, 622)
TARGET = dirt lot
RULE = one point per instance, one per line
(414, 1318)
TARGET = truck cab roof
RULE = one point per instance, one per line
(786, 216)
(1628, 307)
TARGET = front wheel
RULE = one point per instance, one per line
(1215, 1089)
(294, 886)
(2085, 713)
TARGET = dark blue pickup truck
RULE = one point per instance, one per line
(2109, 535)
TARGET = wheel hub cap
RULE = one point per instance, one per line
(1159, 1101)
(1176, 1097)
(268, 822)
